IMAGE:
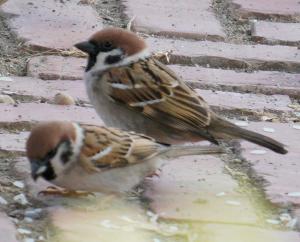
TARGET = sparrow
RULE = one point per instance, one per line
(132, 90)
(98, 159)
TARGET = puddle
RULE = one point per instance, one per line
(116, 219)
(112, 219)
(193, 210)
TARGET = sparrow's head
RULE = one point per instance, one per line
(113, 47)
(51, 147)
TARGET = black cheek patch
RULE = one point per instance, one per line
(112, 59)
(49, 173)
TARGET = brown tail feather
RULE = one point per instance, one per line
(222, 126)
(175, 151)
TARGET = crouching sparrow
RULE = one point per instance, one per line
(132, 90)
(98, 159)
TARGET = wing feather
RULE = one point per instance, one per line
(107, 148)
(155, 90)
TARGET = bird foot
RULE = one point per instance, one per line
(155, 174)
(51, 190)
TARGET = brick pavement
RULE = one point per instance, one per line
(266, 82)
(189, 190)
(21, 87)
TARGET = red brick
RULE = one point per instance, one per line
(225, 55)
(56, 67)
(51, 24)
(27, 86)
(266, 82)
(281, 172)
(187, 189)
(246, 101)
(173, 18)
(7, 229)
(32, 112)
(287, 9)
(274, 32)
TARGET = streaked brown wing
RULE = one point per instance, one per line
(154, 90)
(109, 147)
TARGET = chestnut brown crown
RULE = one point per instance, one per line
(46, 136)
(114, 45)
(128, 41)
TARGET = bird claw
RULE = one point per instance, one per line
(155, 173)
(51, 190)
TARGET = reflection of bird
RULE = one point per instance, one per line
(132, 90)
(93, 158)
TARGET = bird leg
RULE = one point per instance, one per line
(51, 190)
(156, 173)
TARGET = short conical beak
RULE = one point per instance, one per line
(86, 47)
(36, 170)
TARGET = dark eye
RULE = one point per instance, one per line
(107, 46)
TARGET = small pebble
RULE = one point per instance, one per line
(21, 199)
(292, 224)
(127, 219)
(294, 194)
(285, 217)
(172, 228)
(220, 194)
(296, 127)
(29, 240)
(273, 221)
(6, 79)
(23, 231)
(242, 123)
(269, 130)
(234, 203)
(18, 184)
(15, 220)
(6, 99)
(41, 238)
(33, 213)
(258, 152)
(107, 224)
(3, 201)
(28, 220)
(8, 92)
(62, 98)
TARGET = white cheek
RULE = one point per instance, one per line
(57, 163)
(101, 57)
(100, 64)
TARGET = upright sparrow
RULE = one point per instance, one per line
(132, 90)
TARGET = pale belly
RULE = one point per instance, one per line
(116, 180)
